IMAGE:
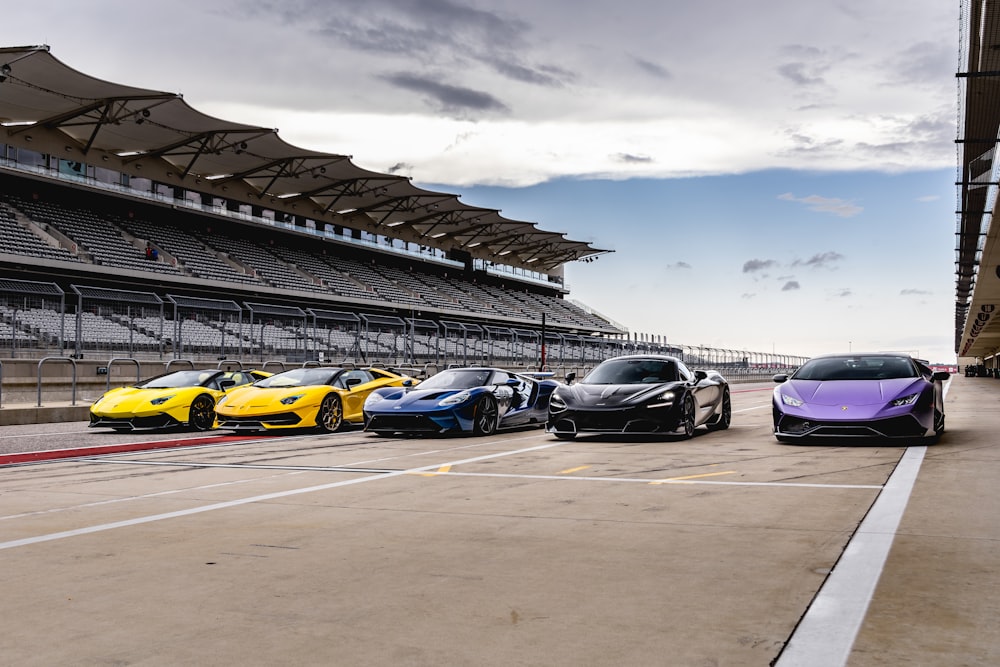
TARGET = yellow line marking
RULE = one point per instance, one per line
(576, 469)
(439, 470)
(680, 479)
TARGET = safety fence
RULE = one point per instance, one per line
(40, 320)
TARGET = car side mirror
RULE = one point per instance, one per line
(780, 377)
(352, 382)
(226, 385)
(408, 383)
(570, 377)
(700, 375)
(513, 382)
(941, 376)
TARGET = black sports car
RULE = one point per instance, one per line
(640, 394)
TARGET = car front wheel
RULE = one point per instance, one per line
(331, 414)
(202, 415)
(687, 417)
(725, 417)
(486, 417)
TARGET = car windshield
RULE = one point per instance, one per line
(299, 377)
(457, 379)
(179, 379)
(633, 371)
(874, 367)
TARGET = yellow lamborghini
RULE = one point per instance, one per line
(180, 398)
(323, 398)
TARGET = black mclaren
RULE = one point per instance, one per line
(642, 395)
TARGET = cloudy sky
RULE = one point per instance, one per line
(770, 176)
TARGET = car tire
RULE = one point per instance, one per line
(330, 417)
(485, 416)
(687, 417)
(725, 417)
(201, 416)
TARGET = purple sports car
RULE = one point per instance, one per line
(860, 395)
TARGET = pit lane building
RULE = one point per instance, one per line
(977, 238)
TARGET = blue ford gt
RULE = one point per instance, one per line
(460, 400)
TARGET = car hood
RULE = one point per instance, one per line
(403, 398)
(128, 397)
(853, 392)
(259, 397)
(610, 395)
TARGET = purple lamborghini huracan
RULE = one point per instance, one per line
(882, 395)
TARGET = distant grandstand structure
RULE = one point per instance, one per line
(132, 225)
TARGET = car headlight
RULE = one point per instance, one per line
(161, 400)
(288, 400)
(906, 400)
(556, 403)
(222, 399)
(373, 399)
(455, 399)
(663, 399)
(791, 400)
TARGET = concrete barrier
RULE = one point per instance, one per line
(11, 415)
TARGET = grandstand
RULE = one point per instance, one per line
(274, 281)
(132, 225)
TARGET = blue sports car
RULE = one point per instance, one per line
(467, 400)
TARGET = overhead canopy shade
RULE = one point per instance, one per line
(50, 107)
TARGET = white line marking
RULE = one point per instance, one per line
(826, 634)
(351, 468)
(292, 470)
(660, 481)
(236, 466)
(267, 496)
(17, 436)
(98, 503)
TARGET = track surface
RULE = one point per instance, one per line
(517, 549)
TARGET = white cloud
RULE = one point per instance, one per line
(755, 265)
(838, 207)
(511, 92)
(820, 260)
(814, 99)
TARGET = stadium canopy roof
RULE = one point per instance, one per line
(977, 239)
(50, 107)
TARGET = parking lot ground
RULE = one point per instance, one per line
(514, 549)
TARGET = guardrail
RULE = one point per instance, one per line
(48, 359)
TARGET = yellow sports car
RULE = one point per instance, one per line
(180, 398)
(323, 398)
